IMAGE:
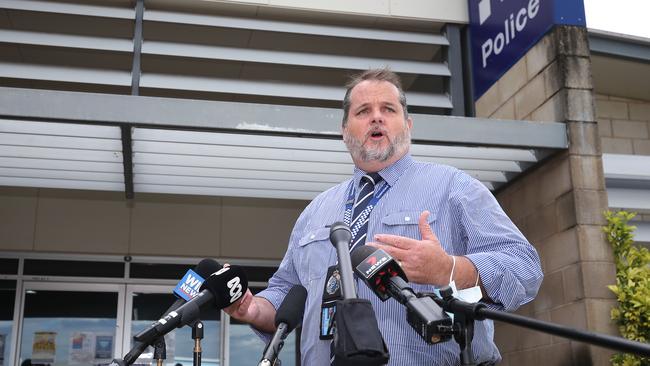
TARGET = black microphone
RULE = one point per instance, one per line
(221, 289)
(340, 236)
(187, 287)
(387, 279)
(357, 339)
(288, 316)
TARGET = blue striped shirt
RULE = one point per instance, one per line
(467, 220)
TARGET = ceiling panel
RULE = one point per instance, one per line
(60, 155)
(195, 162)
(620, 77)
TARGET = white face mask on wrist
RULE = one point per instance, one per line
(470, 294)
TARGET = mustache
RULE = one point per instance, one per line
(373, 130)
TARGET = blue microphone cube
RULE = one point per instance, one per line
(189, 285)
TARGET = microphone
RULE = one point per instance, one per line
(357, 339)
(220, 289)
(340, 236)
(190, 285)
(288, 316)
(387, 279)
(185, 290)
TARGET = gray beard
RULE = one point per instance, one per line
(371, 153)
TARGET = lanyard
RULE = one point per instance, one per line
(349, 204)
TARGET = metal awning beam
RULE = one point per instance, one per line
(223, 53)
(69, 8)
(58, 139)
(293, 27)
(264, 119)
(626, 48)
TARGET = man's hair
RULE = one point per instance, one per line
(384, 74)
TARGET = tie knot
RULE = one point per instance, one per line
(372, 178)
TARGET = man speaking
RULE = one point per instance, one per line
(441, 225)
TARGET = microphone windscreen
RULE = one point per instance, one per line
(360, 253)
(206, 267)
(227, 285)
(292, 308)
(339, 231)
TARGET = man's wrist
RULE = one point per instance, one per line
(466, 273)
(263, 314)
(442, 277)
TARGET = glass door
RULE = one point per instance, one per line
(146, 304)
(70, 323)
(7, 301)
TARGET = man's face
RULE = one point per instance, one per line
(376, 133)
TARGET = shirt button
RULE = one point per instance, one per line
(407, 218)
(312, 236)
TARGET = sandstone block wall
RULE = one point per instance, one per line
(558, 205)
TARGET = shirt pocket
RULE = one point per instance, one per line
(315, 250)
(404, 223)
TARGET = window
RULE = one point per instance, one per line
(69, 324)
(7, 301)
(149, 303)
(246, 346)
(84, 312)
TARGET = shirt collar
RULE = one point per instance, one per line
(391, 173)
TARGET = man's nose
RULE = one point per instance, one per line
(377, 116)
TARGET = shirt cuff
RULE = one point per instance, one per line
(500, 283)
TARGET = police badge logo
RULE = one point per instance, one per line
(333, 283)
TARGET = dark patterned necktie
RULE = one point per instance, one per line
(362, 209)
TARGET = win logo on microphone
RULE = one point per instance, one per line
(189, 285)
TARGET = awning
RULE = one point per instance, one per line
(75, 140)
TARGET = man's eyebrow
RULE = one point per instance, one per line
(361, 106)
(383, 103)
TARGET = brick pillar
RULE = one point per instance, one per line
(558, 205)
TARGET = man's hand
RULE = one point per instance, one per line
(244, 309)
(255, 311)
(424, 261)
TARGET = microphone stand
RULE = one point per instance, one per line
(160, 351)
(463, 330)
(468, 312)
(197, 335)
(132, 356)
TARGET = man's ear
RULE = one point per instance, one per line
(409, 122)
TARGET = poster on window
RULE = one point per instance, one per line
(2, 349)
(44, 347)
(103, 348)
(81, 348)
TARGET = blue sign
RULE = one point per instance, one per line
(189, 285)
(502, 31)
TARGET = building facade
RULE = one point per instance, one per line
(138, 137)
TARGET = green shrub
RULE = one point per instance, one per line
(632, 287)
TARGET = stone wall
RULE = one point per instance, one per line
(558, 205)
(95, 222)
(624, 128)
(623, 125)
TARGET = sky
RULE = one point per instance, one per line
(619, 16)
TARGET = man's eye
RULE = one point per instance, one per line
(363, 111)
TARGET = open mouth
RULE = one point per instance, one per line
(376, 135)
